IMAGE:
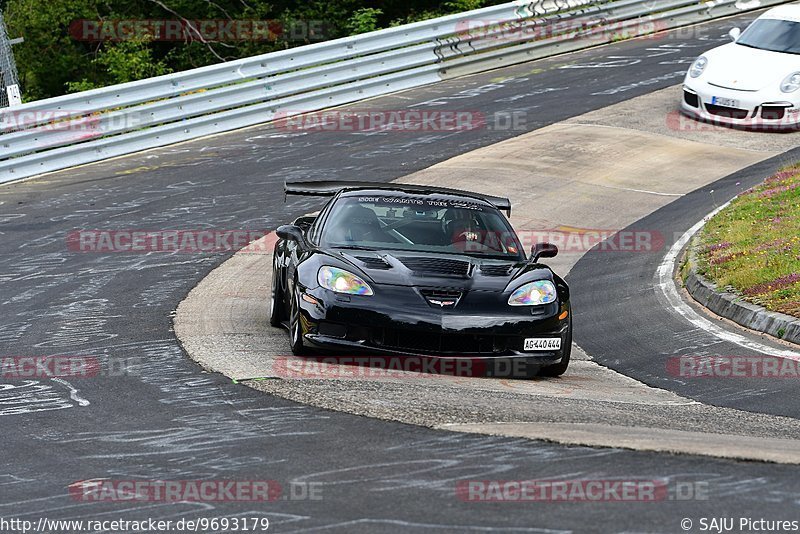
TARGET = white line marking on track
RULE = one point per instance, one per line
(73, 392)
(668, 287)
(644, 191)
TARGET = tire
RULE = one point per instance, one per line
(296, 327)
(276, 310)
(560, 368)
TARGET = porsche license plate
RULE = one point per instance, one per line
(542, 343)
(727, 102)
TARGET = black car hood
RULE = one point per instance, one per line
(468, 273)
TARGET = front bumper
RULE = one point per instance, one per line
(755, 110)
(400, 322)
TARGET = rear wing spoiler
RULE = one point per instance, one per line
(331, 188)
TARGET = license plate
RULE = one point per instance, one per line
(543, 343)
(727, 102)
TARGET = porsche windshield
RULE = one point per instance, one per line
(420, 224)
(774, 35)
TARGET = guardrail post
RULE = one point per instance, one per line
(9, 81)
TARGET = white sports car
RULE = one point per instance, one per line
(754, 81)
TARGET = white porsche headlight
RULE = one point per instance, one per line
(698, 67)
(534, 294)
(791, 83)
(341, 281)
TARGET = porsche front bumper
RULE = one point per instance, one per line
(755, 110)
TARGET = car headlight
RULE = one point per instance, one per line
(341, 281)
(698, 67)
(791, 83)
(534, 294)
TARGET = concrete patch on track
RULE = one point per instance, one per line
(223, 320)
(659, 113)
(643, 438)
(574, 178)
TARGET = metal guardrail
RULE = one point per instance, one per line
(85, 127)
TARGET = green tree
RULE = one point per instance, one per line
(364, 20)
(52, 61)
(122, 62)
(49, 57)
(457, 6)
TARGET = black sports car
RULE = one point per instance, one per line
(394, 269)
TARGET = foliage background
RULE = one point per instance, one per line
(52, 63)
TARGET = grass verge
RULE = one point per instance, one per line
(752, 247)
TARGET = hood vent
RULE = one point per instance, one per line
(372, 262)
(437, 266)
(496, 270)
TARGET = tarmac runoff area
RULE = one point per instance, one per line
(603, 170)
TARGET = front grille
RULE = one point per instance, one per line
(435, 297)
(373, 262)
(496, 270)
(723, 111)
(434, 343)
(437, 266)
(691, 99)
(773, 113)
(332, 329)
(440, 294)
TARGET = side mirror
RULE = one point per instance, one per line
(543, 250)
(734, 34)
(305, 222)
(291, 232)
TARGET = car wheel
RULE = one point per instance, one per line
(296, 327)
(276, 301)
(560, 368)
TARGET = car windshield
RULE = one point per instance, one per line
(774, 35)
(420, 223)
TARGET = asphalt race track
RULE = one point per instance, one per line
(608, 286)
(222, 322)
(165, 419)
